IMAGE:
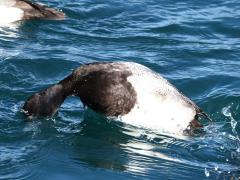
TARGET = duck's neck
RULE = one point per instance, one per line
(46, 102)
(67, 85)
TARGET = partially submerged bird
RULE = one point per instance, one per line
(15, 10)
(127, 91)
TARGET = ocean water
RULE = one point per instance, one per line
(194, 44)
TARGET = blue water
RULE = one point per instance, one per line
(194, 44)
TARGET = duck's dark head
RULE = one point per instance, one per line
(44, 103)
(196, 127)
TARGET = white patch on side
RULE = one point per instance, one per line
(166, 112)
(10, 14)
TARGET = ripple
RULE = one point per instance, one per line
(193, 44)
(15, 161)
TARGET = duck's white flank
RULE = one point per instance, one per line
(10, 14)
(159, 105)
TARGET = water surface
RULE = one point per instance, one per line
(194, 44)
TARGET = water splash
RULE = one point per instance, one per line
(207, 173)
(227, 112)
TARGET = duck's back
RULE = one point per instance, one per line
(38, 10)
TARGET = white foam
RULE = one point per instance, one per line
(10, 14)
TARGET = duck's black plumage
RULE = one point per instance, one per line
(106, 92)
(101, 86)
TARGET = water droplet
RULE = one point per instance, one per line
(216, 168)
(233, 155)
(207, 174)
(238, 150)
(226, 111)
